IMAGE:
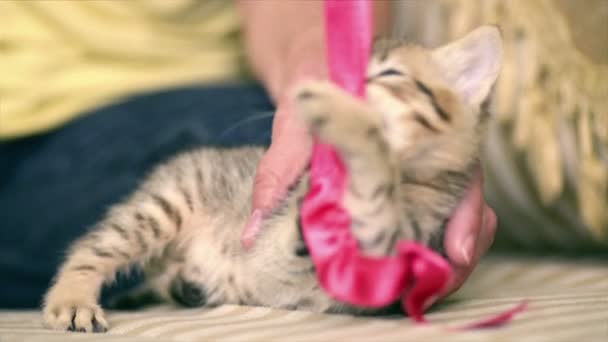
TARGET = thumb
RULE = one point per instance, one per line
(278, 169)
(463, 228)
(284, 161)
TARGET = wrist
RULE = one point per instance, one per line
(304, 59)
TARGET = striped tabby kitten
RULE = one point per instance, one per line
(410, 147)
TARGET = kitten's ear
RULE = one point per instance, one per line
(471, 64)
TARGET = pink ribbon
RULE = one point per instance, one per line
(416, 274)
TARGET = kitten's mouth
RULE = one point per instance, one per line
(187, 293)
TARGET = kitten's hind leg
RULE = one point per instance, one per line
(354, 129)
(132, 233)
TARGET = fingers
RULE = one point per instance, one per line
(469, 234)
(463, 229)
(284, 161)
(485, 239)
(487, 233)
(252, 228)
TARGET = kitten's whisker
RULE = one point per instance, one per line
(250, 119)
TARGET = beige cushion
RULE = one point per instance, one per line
(568, 301)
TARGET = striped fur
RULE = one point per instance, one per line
(410, 149)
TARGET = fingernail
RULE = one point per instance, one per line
(466, 249)
(251, 229)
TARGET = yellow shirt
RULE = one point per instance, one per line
(59, 59)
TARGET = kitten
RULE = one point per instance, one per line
(411, 148)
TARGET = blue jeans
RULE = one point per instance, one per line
(55, 186)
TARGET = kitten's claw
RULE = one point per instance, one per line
(314, 101)
(337, 117)
(75, 317)
(310, 90)
(304, 94)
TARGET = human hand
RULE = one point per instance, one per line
(280, 166)
(281, 58)
(291, 145)
(469, 233)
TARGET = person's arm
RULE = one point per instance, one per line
(285, 40)
(285, 44)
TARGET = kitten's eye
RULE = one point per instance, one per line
(390, 72)
(386, 73)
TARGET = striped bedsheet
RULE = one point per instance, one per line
(568, 301)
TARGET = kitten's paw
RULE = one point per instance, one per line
(313, 100)
(338, 118)
(74, 315)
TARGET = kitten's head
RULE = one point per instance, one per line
(412, 143)
(431, 100)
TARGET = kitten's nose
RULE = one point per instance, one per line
(188, 293)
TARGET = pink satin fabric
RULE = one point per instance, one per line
(416, 274)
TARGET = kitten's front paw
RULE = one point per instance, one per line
(314, 101)
(74, 314)
(337, 117)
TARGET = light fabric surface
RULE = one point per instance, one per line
(568, 301)
(59, 59)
